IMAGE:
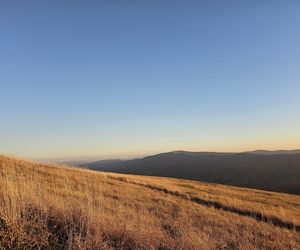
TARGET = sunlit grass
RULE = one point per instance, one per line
(56, 207)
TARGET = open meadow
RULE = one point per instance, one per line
(59, 207)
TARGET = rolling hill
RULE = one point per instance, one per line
(277, 171)
(57, 207)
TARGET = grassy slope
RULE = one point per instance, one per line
(48, 206)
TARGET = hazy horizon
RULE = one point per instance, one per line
(135, 155)
(119, 80)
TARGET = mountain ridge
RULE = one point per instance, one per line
(268, 170)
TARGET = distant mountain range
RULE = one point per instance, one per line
(275, 152)
(269, 170)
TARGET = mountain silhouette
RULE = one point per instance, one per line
(268, 170)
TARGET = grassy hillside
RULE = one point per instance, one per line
(55, 207)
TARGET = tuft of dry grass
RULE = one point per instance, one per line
(58, 207)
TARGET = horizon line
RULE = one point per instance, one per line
(137, 155)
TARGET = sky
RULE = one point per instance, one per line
(127, 78)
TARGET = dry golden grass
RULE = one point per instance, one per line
(56, 207)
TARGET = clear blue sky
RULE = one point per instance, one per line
(124, 78)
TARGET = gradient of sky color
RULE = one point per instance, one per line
(124, 78)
